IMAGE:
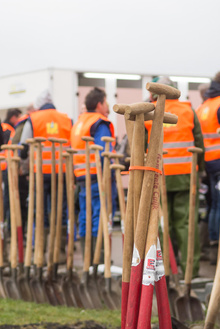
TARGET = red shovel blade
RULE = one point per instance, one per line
(145, 309)
(161, 292)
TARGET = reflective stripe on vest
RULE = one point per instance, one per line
(173, 145)
(82, 128)
(177, 160)
(207, 114)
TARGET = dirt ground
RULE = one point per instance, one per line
(78, 325)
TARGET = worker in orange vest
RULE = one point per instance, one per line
(48, 122)
(92, 123)
(8, 125)
(209, 117)
(177, 166)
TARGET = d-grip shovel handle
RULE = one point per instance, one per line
(30, 221)
(57, 243)
(191, 228)
(104, 216)
(15, 164)
(39, 243)
(70, 186)
(2, 158)
(88, 242)
(13, 249)
(53, 207)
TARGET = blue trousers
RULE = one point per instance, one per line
(214, 214)
(95, 208)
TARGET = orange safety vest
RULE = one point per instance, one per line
(6, 126)
(177, 138)
(207, 115)
(82, 128)
(50, 123)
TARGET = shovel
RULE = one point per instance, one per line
(71, 281)
(49, 285)
(11, 287)
(18, 217)
(188, 308)
(57, 245)
(109, 296)
(23, 285)
(24, 279)
(36, 283)
(69, 295)
(89, 292)
(2, 289)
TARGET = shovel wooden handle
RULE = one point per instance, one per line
(13, 251)
(191, 228)
(30, 221)
(53, 208)
(104, 216)
(1, 215)
(57, 244)
(39, 243)
(15, 163)
(70, 246)
(88, 240)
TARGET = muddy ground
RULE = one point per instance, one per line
(78, 325)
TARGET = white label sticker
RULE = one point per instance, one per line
(149, 267)
(159, 263)
(135, 257)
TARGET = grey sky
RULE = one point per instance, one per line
(140, 36)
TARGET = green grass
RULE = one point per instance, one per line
(19, 313)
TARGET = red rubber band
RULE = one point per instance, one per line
(145, 168)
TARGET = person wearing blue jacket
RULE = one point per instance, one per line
(92, 123)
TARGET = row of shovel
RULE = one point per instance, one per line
(32, 282)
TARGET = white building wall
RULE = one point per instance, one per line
(22, 89)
